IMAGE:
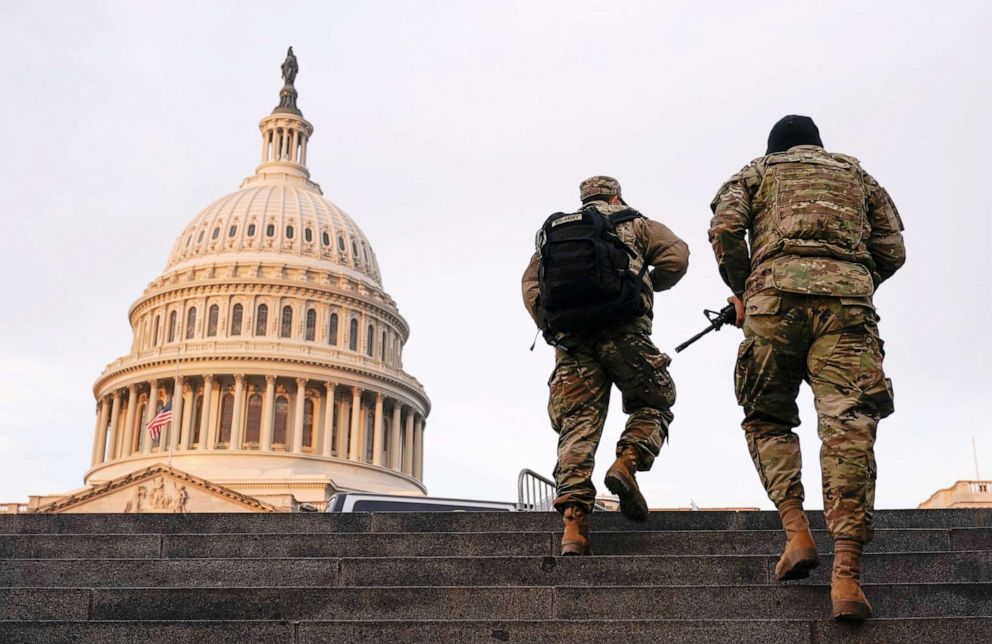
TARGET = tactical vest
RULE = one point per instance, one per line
(811, 204)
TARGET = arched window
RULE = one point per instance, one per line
(189, 238)
(155, 330)
(195, 421)
(332, 330)
(262, 319)
(369, 424)
(190, 323)
(253, 420)
(270, 230)
(326, 239)
(212, 315)
(311, 325)
(172, 326)
(353, 335)
(281, 421)
(308, 428)
(289, 232)
(216, 233)
(382, 347)
(236, 313)
(341, 243)
(251, 230)
(369, 349)
(199, 238)
(226, 418)
(286, 326)
(354, 251)
(308, 235)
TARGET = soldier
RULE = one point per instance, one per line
(823, 236)
(596, 347)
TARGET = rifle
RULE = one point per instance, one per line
(726, 315)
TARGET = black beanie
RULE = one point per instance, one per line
(793, 130)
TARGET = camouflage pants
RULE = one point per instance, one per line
(833, 344)
(585, 371)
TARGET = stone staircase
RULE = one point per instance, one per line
(680, 577)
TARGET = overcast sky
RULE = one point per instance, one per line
(449, 131)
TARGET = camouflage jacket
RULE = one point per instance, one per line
(653, 242)
(816, 221)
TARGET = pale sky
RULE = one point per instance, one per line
(449, 131)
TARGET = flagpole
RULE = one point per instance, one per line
(175, 417)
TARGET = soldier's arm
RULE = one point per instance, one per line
(531, 289)
(664, 251)
(885, 242)
(728, 229)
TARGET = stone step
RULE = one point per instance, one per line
(808, 602)
(434, 544)
(877, 631)
(450, 522)
(951, 567)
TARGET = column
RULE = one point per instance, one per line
(377, 431)
(292, 154)
(303, 160)
(150, 412)
(394, 436)
(100, 436)
(239, 404)
(115, 417)
(342, 446)
(186, 442)
(355, 453)
(175, 428)
(408, 444)
(326, 444)
(127, 444)
(418, 450)
(301, 396)
(206, 440)
(268, 406)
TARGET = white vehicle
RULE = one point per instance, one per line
(365, 502)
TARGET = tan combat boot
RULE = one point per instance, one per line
(575, 541)
(849, 601)
(620, 481)
(800, 555)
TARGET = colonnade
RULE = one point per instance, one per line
(262, 413)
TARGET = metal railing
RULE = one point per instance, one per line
(535, 493)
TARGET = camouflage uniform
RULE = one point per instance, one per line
(823, 236)
(587, 365)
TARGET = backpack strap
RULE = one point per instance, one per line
(622, 216)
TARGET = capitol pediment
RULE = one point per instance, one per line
(157, 489)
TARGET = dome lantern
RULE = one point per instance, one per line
(285, 132)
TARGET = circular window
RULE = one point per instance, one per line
(270, 230)
(289, 232)
(251, 230)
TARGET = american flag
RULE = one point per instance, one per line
(161, 419)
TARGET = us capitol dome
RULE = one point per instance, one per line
(281, 353)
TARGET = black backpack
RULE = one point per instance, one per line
(585, 278)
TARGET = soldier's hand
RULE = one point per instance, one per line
(739, 308)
